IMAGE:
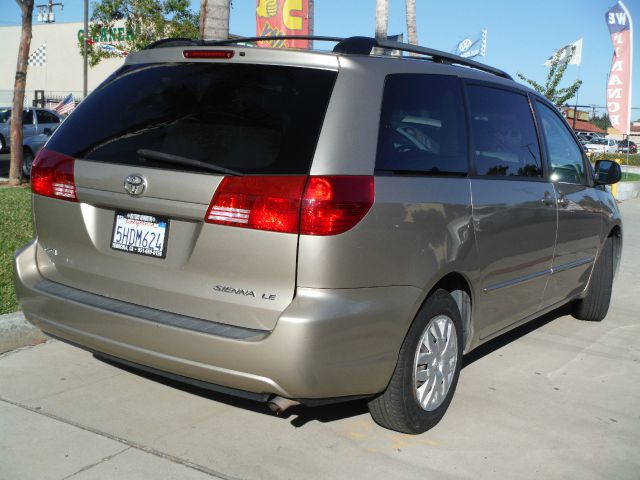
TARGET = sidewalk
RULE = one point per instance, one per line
(554, 399)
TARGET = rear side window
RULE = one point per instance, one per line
(254, 119)
(504, 135)
(27, 117)
(46, 117)
(422, 126)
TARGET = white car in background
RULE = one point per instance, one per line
(601, 145)
(34, 122)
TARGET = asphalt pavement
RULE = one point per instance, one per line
(557, 398)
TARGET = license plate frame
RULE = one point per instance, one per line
(148, 225)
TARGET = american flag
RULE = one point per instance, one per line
(66, 105)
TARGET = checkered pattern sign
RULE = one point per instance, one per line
(39, 57)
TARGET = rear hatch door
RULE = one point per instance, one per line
(137, 232)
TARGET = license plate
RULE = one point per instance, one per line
(140, 233)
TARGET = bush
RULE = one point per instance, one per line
(634, 159)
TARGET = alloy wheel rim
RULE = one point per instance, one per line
(435, 362)
(27, 165)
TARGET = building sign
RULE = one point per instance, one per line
(109, 35)
(619, 86)
(283, 17)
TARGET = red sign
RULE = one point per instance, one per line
(283, 17)
(619, 86)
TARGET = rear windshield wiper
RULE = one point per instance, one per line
(169, 158)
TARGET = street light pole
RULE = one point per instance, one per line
(84, 46)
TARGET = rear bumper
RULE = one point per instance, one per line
(326, 344)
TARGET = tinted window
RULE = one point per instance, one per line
(27, 117)
(251, 118)
(422, 127)
(565, 156)
(46, 117)
(504, 135)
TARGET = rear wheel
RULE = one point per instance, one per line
(27, 163)
(595, 305)
(427, 371)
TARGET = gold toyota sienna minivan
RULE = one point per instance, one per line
(310, 227)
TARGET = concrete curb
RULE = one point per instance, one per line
(627, 191)
(16, 332)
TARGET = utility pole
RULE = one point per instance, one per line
(85, 37)
(45, 11)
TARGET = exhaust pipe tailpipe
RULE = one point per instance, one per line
(279, 404)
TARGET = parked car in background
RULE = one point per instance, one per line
(34, 122)
(586, 137)
(601, 145)
(31, 146)
(627, 146)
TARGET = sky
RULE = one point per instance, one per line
(521, 34)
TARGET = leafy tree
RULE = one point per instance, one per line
(145, 21)
(601, 121)
(558, 96)
(15, 164)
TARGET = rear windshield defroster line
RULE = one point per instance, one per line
(251, 119)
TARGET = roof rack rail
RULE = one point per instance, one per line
(364, 45)
(172, 42)
(351, 45)
(270, 39)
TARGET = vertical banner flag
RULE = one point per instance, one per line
(619, 86)
(472, 46)
(284, 17)
(564, 54)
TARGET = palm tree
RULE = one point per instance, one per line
(214, 19)
(15, 167)
(382, 22)
(412, 30)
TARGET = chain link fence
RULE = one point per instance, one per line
(47, 99)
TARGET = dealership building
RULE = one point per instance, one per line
(56, 61)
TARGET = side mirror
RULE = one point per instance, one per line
(48, 132)
(607, 172)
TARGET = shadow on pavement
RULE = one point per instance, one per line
(301, 415)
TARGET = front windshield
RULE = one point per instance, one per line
(5, 114)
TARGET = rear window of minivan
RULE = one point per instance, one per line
(255, 119)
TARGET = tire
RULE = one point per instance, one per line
(595, 305)
(398, 407)
(3, 143)
(27, 163)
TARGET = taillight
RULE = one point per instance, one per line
(335, 204)
(52, 176)
(263, 203)
(328, 205)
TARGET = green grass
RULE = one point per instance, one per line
(16, 229)
(630, 177)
